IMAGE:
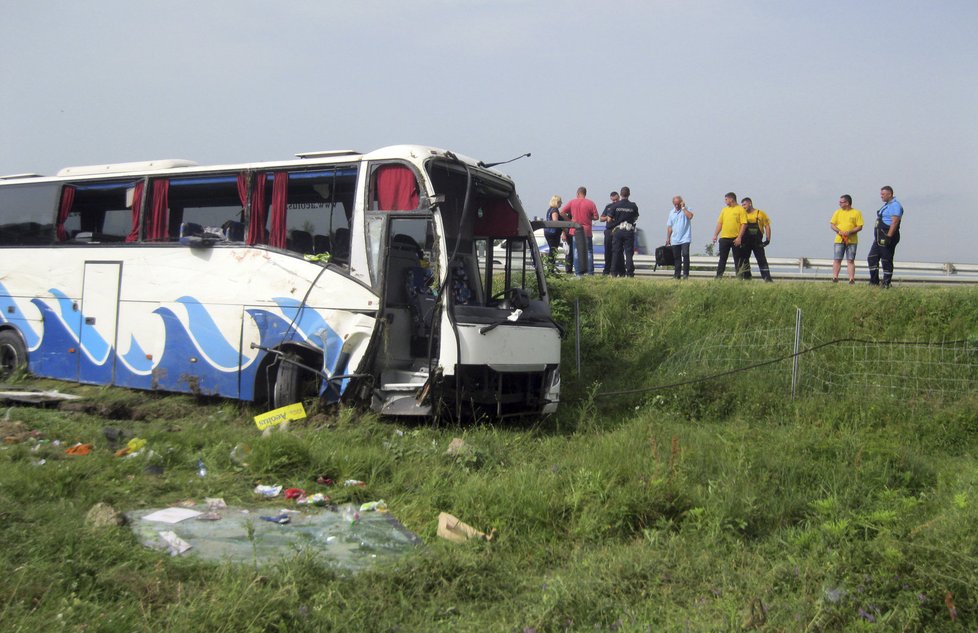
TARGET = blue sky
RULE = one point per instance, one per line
(791, 103)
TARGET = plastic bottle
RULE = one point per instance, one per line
(351, 515)
(201, 468)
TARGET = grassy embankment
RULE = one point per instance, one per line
(721, 505)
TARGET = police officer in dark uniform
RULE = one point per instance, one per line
(623, 216)
(608, 233)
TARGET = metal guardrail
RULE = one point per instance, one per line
(811, 269)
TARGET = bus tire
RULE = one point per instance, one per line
(288, 381)
(13, 353)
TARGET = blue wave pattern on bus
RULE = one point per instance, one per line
(195, 357)
(309, 327)
(183, 365)
(208, 338)
(11, 313)
(135, 359)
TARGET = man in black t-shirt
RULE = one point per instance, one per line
(623, 216)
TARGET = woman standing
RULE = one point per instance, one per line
(553, 235)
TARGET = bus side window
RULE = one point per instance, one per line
(317, 209)
(213, 202)
(27, 213)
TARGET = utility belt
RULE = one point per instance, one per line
(625, 226)
(882, 234)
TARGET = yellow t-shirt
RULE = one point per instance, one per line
(847, 221)
(758, 216)
(730, 220)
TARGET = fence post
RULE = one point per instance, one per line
(797, 349)
(577, 335)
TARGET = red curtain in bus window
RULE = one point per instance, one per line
(137, 206)
(256, 217)
(67, 199)
(280, 198)
(397, 188)
(498, 219)
(159, 229)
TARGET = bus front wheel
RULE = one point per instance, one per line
(288, 381)
(13, 353)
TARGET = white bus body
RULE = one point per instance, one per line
(407, 279)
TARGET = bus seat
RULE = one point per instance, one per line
(341, 245)
(300, 241)
(421, 299)
(402, 256)
(321, 244)
(190, 229)
(234, 230)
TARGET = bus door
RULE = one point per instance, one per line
(410, 296)
(100, 317)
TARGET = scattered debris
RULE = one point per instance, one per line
(354, 482)
(34, 396)
(16, 432)
(104, 515)
(132, 447)
(374, 506)
(281, 415)
(171, 515)
(456, 447)
(267, 491)
(174, 543)
(241, 537)
(79, 449)
(453, 529)
(281, 519)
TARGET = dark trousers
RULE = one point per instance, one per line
(726, 246)
(623, 246)
(882, 256)
(680, 255)
(608, 238)
(757, 249)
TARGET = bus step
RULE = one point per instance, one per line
(400, 380)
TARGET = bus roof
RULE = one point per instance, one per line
(416, 154)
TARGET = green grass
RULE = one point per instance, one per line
(717, 506)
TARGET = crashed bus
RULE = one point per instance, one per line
(406, 279)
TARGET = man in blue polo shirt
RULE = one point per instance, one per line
(679, 234)
(887, 236)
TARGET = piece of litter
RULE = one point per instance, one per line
(215, 503)
(354, 482)
(374, 506)
(171, 515)
(281, 519)
(175, 544)
(453, 529)
(516, 314)
(267, 491)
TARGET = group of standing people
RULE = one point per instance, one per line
(741, 231)
(619, 216)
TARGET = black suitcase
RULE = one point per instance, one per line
(664, 257)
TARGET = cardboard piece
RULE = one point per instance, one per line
(454, 529)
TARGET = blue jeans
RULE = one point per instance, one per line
(572, 259)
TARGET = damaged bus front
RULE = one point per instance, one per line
(466, 328)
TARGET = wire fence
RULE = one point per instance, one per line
(796, 361)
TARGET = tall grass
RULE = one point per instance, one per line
(720, 505)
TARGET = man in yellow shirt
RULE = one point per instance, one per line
(730, 231)
(846, 222)
(757, 236)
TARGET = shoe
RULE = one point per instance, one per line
(835, 280)
(852, 282)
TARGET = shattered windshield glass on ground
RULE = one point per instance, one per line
(341, 537)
